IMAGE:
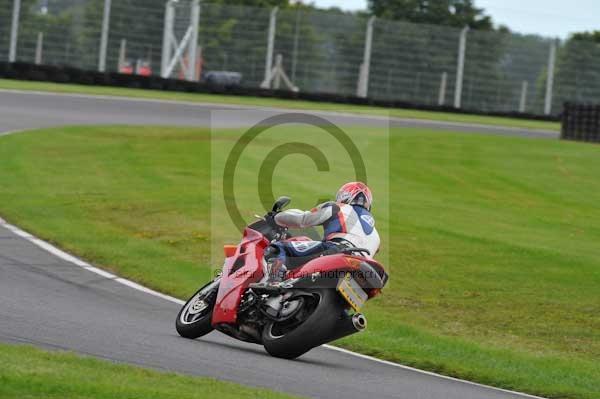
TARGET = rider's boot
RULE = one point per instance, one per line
(277, 272)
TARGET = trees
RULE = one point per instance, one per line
(458, 13)
(577, 75)
(254, 3)
(416, 41)
(322, 50)
(56, 26)
(234, 38)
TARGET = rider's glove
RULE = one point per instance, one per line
(270, 219)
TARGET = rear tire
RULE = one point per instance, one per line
(312, 332)
(194, 318)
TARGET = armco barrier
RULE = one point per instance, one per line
(59, 74)
(581, 122)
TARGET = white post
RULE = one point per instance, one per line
(523, 102)
(193, 44)
(295, 51)
(365, 69)
(104, 37)
(177, 56)
(278, 70)
(167, 33)
(39, 48)
(14, 31)
(266, 84)
(460, 70)
(198, 66)
(122, 55)
(550, 79)
(443, 85)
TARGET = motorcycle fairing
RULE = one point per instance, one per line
(335, 267)
(240, 270)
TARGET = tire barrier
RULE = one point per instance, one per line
(64, 74)
(581, 122)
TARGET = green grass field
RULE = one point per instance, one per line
(493, 245)
(278, 103)
(27, 372)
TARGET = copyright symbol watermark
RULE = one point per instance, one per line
(303, 156)
(277, 154)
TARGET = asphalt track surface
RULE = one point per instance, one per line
(50, 302)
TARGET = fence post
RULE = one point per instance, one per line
(295, 51)
(122, 55)
(266, 84)
(167, 32)
(460, 70)
(39, 48)
(193, 44)
(14, 31)
(550, 79)
(198, 66)
(365, 69)
(523, 102)
(443, 84)
(278, 68)
(104, 37)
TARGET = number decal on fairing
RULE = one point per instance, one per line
(301, 246)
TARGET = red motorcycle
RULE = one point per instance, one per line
(316, 303)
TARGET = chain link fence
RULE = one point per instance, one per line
(5, 22)
(313, 51)
(234, 38)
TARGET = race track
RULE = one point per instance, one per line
(26, 110)
(50, 302)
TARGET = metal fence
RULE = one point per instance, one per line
(308, 50)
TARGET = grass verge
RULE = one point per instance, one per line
(28, 372)
(495, 268)
(277, 103)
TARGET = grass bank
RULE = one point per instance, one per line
(28, 372)
(277, 103)
(492, 241)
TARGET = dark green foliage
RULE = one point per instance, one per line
(254, 3)
(577, 73)
(321, 51)
(587, 36)
(457, 13)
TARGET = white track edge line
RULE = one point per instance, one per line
(9, 132)
(445, 377)
(283, 109)
(78, 262)
(59, 253)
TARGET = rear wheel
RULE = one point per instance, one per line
(194, 319)
(309, 328)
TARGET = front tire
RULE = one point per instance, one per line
(194, 318)
(326, 311)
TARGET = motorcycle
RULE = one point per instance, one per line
(315, 303)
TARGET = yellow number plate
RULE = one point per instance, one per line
(352, 292)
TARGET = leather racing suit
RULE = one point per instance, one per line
(343, 224)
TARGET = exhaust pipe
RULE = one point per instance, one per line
(359, 321)
(347, 326)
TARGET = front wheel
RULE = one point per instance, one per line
(309, 328)
(194, 318)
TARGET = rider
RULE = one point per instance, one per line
(347, 222)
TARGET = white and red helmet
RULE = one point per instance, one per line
(355, 193)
